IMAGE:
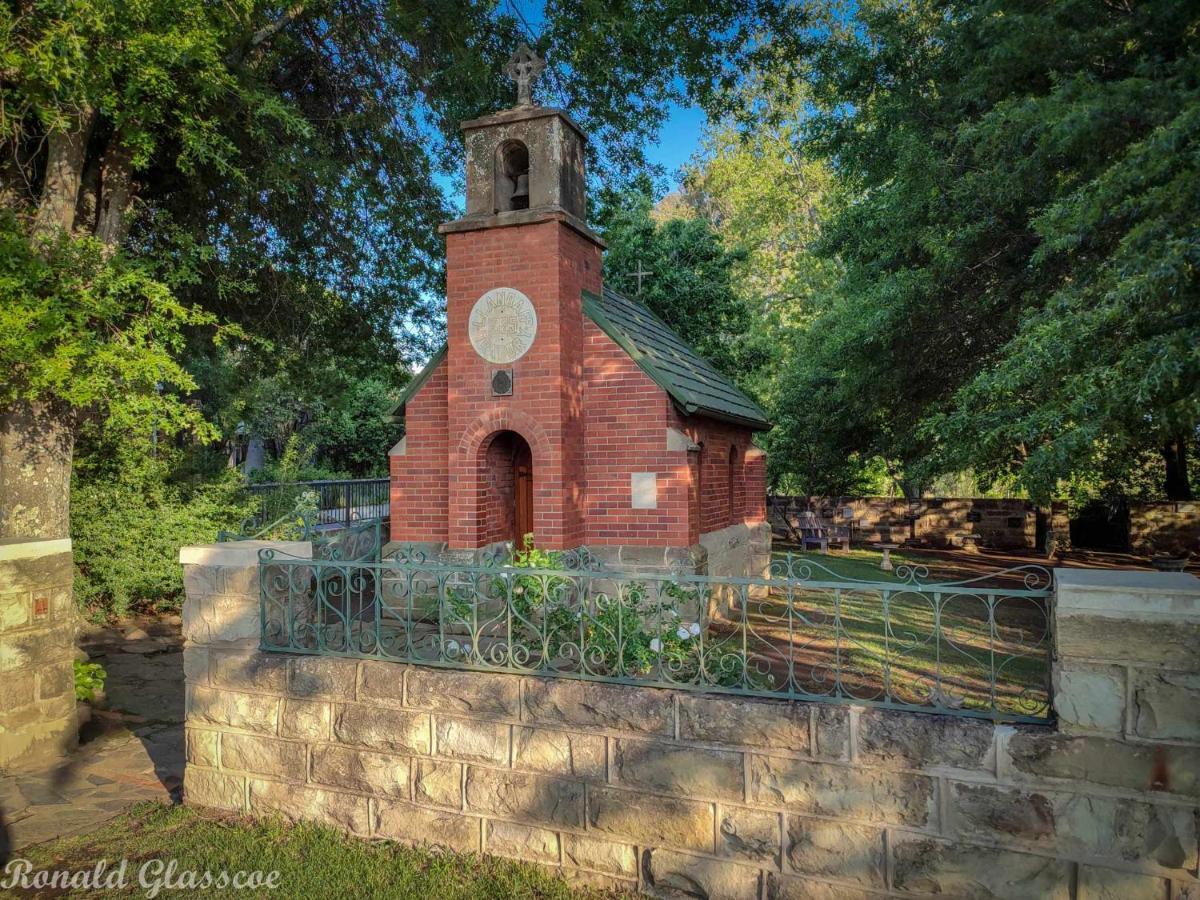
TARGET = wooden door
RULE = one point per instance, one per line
(523, 477)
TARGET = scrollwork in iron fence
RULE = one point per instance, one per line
(976, 647)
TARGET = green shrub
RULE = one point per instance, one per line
(127, 535)
(89, 678)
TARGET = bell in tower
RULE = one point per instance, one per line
(524, 164)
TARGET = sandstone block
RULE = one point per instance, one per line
(396, 730)
(300, 803)
(515, 795)
(246, 712)
(195, 664)
(14, 610)
(523, 842)
(15, 693)
(791, 887)
(264, 756)
(200, 747)
(679, 769)
(382, 682)
(418, 825)
(928, 866)
(305, 719)
(473, 694)
(562, 701)
(1096, 883)
(363, 771)
(229, 619)
(1138, 641)
(1185, 890)
(749, 834)
(918, 741)
(831, 728)
(651, 820)
(204, 787)
(437, 782)
(610, 857)
(1166, 705)
(56, 680)
(322, 678)
(778, 724)
(842, 791)
(831, 849)
(559, 752)
(1139, 767)
(1078, 825)
(473, 741)
(248, 671)
(1089, 698)
(676, 874)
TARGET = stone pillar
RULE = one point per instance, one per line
(1127, 654)
(220, 645)
(38, 625)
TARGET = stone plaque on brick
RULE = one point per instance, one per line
(502, 326)
(644, 487)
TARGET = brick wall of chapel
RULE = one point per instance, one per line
(592, 418)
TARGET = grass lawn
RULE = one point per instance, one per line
(313, 861)
(947, 648)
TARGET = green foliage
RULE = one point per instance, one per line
(1020, 293)
(95, 333)
(624, 633)
(691, 288)
(127, 535)
(89, 680)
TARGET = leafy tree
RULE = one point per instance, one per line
(172, 165)
(1020, 292)
(691, 285)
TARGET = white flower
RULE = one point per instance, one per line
(655, 645)
(694, 629)
(518, 590)
(682, 633)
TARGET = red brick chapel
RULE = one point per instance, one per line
(558, 407)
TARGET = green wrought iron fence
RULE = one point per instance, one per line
(979, 647)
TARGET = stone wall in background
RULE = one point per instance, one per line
(1164, 527)
(38, 625)
(1003, 524)
(682, 794)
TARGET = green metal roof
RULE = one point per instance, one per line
(692, 382)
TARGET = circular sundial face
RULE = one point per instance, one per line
(502, 325)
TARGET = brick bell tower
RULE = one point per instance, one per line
(516, 266)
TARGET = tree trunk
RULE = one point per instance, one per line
(36, 444)
(1175, 455)
(64, 172)
(116, 185)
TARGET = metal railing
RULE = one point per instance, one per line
(979, 647)
(338, 502)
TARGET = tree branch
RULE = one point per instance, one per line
(116, 185)
(64, 171)
(265, 33)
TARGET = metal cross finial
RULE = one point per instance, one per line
(523, 67)
(639, 275)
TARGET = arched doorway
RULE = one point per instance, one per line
(508, 476)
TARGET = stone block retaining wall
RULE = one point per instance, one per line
(1164, 527)
(1002, 524)
(37, 650)
(682, 794)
